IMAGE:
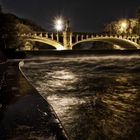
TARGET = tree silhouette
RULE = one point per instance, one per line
(11, 27)
(138, 18)
(138, 14)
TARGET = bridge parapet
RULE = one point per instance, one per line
(68, 39)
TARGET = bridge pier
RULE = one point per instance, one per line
(67, 37)
(67, 40)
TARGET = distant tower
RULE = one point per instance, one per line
(67, 26)
(67, 41)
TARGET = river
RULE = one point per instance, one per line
(95, 97)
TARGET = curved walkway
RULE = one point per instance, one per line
(24, 114)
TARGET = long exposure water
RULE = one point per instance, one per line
(95, 97)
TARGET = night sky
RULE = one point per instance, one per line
(84, 15)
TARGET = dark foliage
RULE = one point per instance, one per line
(10, 28)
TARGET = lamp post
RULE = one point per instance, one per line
(59, 26)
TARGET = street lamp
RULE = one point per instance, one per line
(59, 24)
(124, 26)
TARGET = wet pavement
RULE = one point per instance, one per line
(24, 114)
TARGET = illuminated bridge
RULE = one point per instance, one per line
(66, 40)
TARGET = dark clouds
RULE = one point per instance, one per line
(84, 15)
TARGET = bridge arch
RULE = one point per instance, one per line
(111, 40)
(44, 40)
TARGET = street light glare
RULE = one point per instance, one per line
(59, 27)
(124, 25)
(59, 24)
(59, 21)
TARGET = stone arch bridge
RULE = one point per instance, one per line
(66, 40)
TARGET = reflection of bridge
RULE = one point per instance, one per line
(66, 40)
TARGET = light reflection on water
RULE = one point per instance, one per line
(94, 97)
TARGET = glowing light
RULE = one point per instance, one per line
(59, 24)
(59, 27)
(123, 26)
(60, 47)
(118, 47)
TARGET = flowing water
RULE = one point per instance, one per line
(95, 97)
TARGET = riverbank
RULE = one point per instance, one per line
(24, 114)
(67, 53)
(11, 54)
